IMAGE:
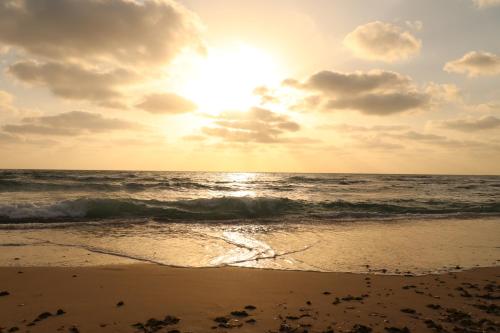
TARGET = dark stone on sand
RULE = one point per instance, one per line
(489, 296)
(138, 326)
(358, 328)
(4, 293)
(397, 330)
(352, 298)
(251, 321)
(308, 303)
(409, 287)
(74, 329)
(171, 320)
(221, 320)
(326, 293)
(154, 325)
(13, 329)
(292, 317)
(336, 301)
(240, 313)
(60, 312)
(174, 331)
(490, 308)
(43, 315)
(434, 306)
(433, 325)
(408, 310)
(120, 303)
(250, 307)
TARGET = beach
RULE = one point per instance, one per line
(127, 298)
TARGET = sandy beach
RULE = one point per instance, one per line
(150, 298)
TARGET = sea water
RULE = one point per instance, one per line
(322, 222)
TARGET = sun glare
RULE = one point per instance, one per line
(226, 78)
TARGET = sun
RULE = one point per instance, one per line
(226, 77)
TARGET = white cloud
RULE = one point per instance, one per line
(475, 63)
(255, 125)
(382, 42)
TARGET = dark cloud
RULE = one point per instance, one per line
(382, 41)
(166, 103)
(69, 124)
(472, 125)
(381, 104)
(475, 64)
(134, 32)
(417, 136)
(73, 81)
(375, 92)
(337, 83)
(256, 125)
(358, 128)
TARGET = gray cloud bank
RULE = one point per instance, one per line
(128, 32)
(374, 92)
(69, 124)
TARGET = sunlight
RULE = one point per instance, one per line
(226, 77)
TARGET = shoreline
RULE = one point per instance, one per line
(286, 301)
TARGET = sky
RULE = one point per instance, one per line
(388, 86)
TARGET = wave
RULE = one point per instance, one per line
(235, 208)
(14, 185)
(222, 208)
(325, 180)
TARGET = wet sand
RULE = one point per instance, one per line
(152, 298)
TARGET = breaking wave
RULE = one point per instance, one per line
(234, 208)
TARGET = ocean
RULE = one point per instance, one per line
(323, 222)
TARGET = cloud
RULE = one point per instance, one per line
(382, 42)
(166, 103)
(69, 124)
(475, 63)
(472, 125)
(375, 92)
(74, 81)
(358, 128)
(382, 104)
(256, 125)
(486, 3)
(6, 101)
(129, 32)
(335, 83)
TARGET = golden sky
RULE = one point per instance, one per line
(389, 86)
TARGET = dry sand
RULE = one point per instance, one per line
(284, 301)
